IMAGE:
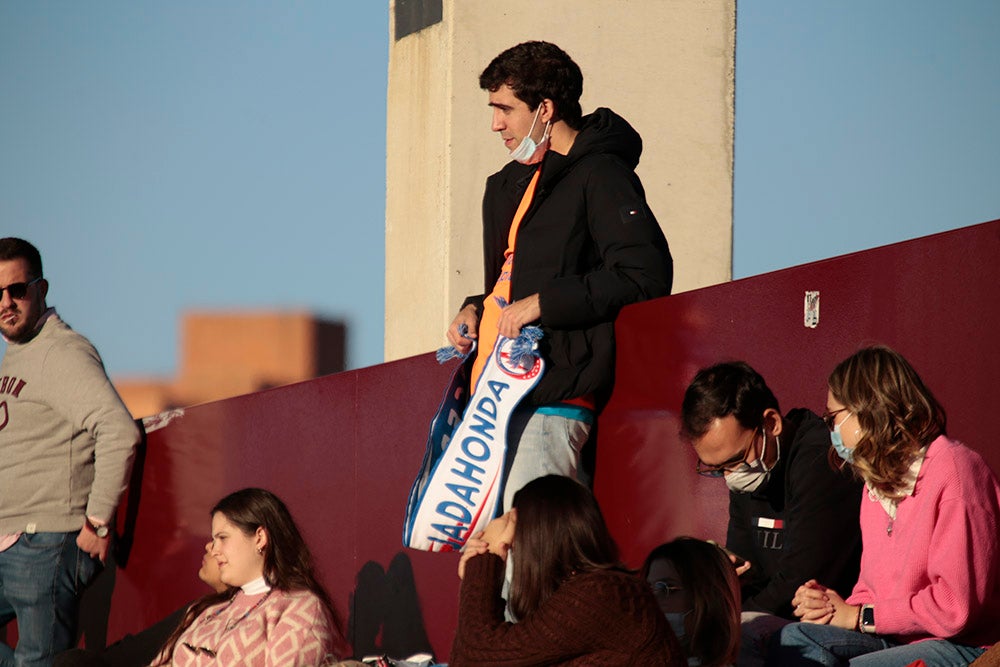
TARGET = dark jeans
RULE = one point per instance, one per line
(41, 578)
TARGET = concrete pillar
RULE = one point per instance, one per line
(667, 66)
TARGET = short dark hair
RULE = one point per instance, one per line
(15, 248)
(536, 71)
(729, 388)
(560, 530)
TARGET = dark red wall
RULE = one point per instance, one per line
(935, 299)
(342, 450)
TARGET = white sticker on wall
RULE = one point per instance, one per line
(811, 318)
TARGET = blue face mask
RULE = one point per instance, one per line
(838, 442)
(676, 620)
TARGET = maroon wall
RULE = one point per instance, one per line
(935, 299)
(342, 450)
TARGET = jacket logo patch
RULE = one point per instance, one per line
(631, 213)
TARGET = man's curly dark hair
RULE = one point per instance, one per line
(536, 71)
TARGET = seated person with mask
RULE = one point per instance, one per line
(698, 591)
(792, 516)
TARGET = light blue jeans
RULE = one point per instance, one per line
(811, 644)
(543, 443)
(41, 578)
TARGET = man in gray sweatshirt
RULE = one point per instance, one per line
(66, 443)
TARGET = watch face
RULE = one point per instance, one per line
(102, 531)
(868, 616)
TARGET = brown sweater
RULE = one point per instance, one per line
(602, 618)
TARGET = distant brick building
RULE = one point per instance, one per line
(228, 354)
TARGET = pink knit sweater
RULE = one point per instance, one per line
(289, 629)
(937, 575)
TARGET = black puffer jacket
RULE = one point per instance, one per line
(588, 246)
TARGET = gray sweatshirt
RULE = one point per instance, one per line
(66, 439)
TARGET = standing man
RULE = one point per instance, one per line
(792, 515)
(67, 444)
(568, 240)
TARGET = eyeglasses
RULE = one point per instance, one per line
(199, 649)
(664, 589)
(18, 290)
(732, 465)
(830, 418)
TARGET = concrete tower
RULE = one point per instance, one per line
(667, 66)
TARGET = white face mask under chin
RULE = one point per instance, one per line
(526, 151)
(751, 476)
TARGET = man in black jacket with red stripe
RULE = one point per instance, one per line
(568, 240)
(792, 515)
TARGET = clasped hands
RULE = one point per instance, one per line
(496, 538)
(815, 603)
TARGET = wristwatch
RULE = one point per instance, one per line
(101, 530)
(866, 622)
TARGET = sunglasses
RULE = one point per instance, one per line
(18, 290)
(199, 649)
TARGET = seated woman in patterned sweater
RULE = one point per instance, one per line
(274, 611)
(577, 604)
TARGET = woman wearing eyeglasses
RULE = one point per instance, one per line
(929, 586)
(696, 586)
(273, 612)
(576, 603)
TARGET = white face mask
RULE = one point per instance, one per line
(526, 151)
(751, 476)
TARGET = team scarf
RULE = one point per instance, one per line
(457, 491)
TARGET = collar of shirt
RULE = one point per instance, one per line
(909, 483)
(256, 587)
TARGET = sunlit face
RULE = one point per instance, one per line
(668, 589)
(846, 420)
(18, 317)
(727, 444)
(512, 118)
(209, 572)
(236, 552)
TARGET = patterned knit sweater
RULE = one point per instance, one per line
(287, 629)
(605, 618)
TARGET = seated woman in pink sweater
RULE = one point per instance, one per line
(273, 611)
(576, 602)
(929, 586)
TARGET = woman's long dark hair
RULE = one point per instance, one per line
(713, 628)
(288, 563)
(560, 532)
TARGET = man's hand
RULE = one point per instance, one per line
(516, 315)
(470, 319)
(89, 542)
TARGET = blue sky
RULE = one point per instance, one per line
(176, 155)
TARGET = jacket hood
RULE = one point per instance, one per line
(604, 131)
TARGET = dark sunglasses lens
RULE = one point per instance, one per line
(17, 290)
